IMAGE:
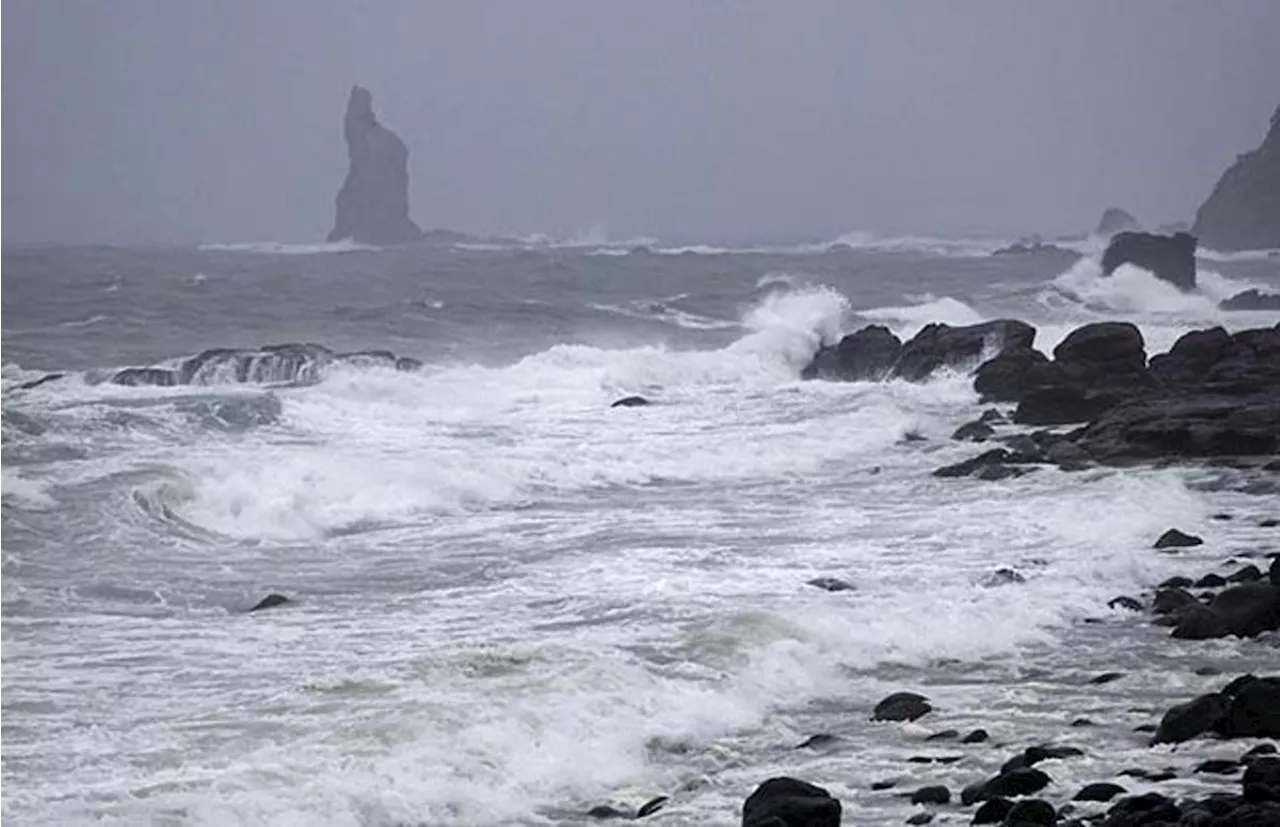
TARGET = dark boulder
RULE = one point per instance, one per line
(1185, 426)
(1173, 538)
(270, 601)
(830, 584)
(1251, 300)
(975, 737)
(865, 355)
(1106, 351)
(943, 346)
(1149, 810)
(790, 802)
(901, 706)
(1173, 600)
(974, 432)
(1200, 623)
(1243, 211)
(1066, 404)
(1124, 601)
(1191, 356)
(652, 806)
(1185, 721)
(937, 794)
(1168, 258)
(1253, 710)
(1015, 782)
(1100, 791)
(992, 811)
(631, 402)
(989, 465)
(1031, 812)
(1247, 609)
(1011, 374)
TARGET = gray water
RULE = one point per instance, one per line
(511, 602)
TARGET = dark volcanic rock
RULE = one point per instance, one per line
(1185, 721)
(1031, 812)
(631, 402)
(1251, 300)
(1115, 220)
(1191, 356)
(974, 432)
(1197, 425)
(1173, 538)
(1015, 782)
(1168, 258)
(975, 737)
(901, 706)
(1095, 367)
(866, 355)
(373, 204)
(652, 806)
(1125, 602)
(1101, 791)
(1200, 623)
(1243, 211)
(989, 465)
(943, 346)
(1011, 375)
(270, 601)
(938, 794)
(1149, 810)
(790, 802)
(1253, 710)
(993, 811)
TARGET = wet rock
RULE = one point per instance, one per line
(1247, 574)
(1218, 766)
(790, 802)
(35, 383)
(883, 785)
(1168, 258)
(652, 806)
(1002, 577)
(920, 818)
(944, 735)
(1171, 601)
(992, 416)
(1125, 602)
(1011, 375)
(1081, 722)
(139, 377)
(973, 432)
(1200, 623)
(995, 458)
(270, 601)
(1185, 426)
(1106, 677)
(975, 737)
(605, 811)
(1173, 538)
(866, 355)
(1210, 581)
(830, 584)
(1100, 791)
(1031, 812)
(822, 739)
(631, 402)
(1185, 721)
(1140, 810)
(943, 346)
(1176, 582)
(993, 811)
(1253, 709)
(373, 204)
(901, 706)
(1015, 782)
(1248, 609)
(937, 794)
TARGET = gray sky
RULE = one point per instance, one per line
(188, 120)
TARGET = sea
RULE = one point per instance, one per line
(511, 603)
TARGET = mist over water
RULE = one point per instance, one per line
(512, 602)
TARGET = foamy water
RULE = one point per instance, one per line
(514, 603)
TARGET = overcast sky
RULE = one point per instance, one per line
(194, 120)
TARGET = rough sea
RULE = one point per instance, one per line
(513, 603)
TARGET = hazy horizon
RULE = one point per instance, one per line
(144, 121)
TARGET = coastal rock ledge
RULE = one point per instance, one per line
(1214, 394)
(373, 204)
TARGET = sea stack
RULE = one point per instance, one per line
(1243, 211)
(373, 204)
(1170, 258)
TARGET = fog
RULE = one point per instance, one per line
(165, 121)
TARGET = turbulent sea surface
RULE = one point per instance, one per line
(513, 603)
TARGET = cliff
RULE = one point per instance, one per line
(1243, 211)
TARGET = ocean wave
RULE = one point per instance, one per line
(280, 248)
(1133, 290)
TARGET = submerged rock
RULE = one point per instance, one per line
(373, 204)
(1243, 211)
(1170, 258)
(631, 402)
(270, 601)
(1173, 538)
(901, 706)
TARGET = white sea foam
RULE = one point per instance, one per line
(281, 248)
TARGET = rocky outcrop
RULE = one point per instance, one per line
(790, 802)
(373, 204)
(874, 353)
(1115, 220)
(271, 364)
(1170, 258)
(1243, 211)
(1251, 300)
